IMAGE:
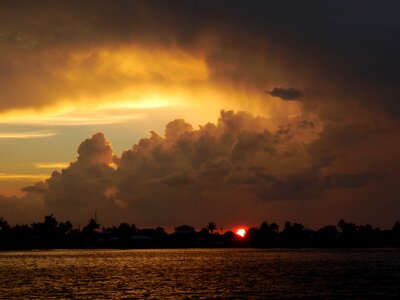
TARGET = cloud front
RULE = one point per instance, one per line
(225, 170)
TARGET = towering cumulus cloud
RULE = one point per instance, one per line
(225, 170)
(82, 188)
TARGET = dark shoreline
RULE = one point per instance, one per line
(50, 234)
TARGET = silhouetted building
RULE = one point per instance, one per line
(185, 229)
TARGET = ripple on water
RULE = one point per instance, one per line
(200, 274)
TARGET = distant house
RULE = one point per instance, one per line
(184, 229)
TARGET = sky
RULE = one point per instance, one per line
(185, 112)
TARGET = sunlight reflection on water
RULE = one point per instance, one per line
(200, 274)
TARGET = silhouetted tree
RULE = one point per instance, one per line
(65, 228)
(203, 232)
(125, 230)
(21, 237)
(228, 237)
(347, 228)
(46, 234)
(3, 224)
(263, 236)
(52, 234)
(211, 227)
(292, 234)
(349, 232)
(273, 227)
(366, 235)
(4, 233)
(395, 239)
(268, 231)
(251, 234)
(91, 228)
(396, 227)
(161, 233)
(326, 236)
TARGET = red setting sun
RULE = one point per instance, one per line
(241, 232)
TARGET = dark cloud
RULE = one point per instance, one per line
(38, 187)
(350, 180)
(286, 93)
(347, 56)
(163, 179)
(23, 210)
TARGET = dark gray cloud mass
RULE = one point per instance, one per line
(348, 52)
(192, 175)
(286, 93)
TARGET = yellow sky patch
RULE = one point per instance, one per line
(51, 165)
(4, 176)
(26, 135)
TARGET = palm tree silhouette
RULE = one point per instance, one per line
(211, 227)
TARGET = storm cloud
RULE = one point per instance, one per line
(191, 175)
(58, 50)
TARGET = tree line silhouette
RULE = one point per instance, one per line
(51, 234)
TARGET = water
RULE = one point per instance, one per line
(200, 274)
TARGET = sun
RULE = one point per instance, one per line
(241, 232)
